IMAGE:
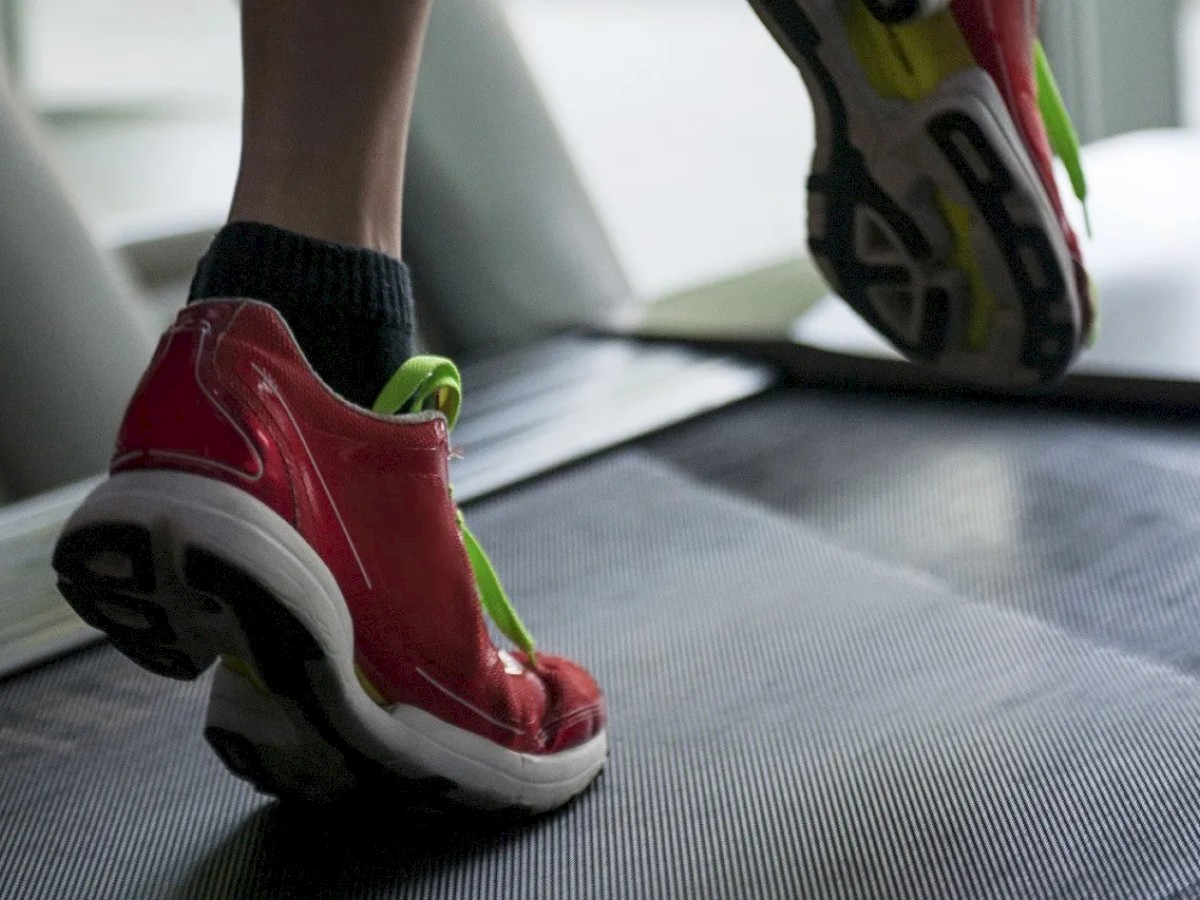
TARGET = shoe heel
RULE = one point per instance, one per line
(113, 575)
(179, 569)
(159, 561)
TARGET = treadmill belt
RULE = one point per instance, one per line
(1088, 522)
(791, 717)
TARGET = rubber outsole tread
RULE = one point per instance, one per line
(1049, 346)
(842, 187)
(282, 649)
(840, 191)
(242, 757)
(893, 12)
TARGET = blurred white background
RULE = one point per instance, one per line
(691, 129)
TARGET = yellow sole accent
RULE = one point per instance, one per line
(244, 669)
(979, 323)
(371, 690)
(247, 671)
(908, 62)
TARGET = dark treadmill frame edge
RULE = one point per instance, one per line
(1082, 390)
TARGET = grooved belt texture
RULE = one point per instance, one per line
(1090, 524)
(790, 718)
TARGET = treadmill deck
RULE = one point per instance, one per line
(853, 647)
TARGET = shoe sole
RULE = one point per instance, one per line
(896, 12)
(919, 208)
(179, 570)
(281, 754)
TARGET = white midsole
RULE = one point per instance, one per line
(238, 528)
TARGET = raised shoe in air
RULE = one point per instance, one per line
(932, 204)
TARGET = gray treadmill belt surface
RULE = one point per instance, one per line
(853, 647)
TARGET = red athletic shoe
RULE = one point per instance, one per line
(253, 515)
(932, 206)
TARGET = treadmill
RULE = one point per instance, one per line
(867, 643)
(862, 634)
(854, 644)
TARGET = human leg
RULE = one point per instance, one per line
(316, 213)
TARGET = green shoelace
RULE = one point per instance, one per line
(433, 383)
(1063, 139)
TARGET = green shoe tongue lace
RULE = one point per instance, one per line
(1063, 139)
(432, 382)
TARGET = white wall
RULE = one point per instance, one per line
(691, 127)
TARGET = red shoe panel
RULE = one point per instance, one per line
(230, 396)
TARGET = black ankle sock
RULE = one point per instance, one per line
(350, 308)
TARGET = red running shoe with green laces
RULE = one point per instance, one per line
(933, 209)
(314, 547)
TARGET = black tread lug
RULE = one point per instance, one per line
(894, 12)
(989, 195)
(109, 602)
(241, 757)
(75, 549)
(281, 646)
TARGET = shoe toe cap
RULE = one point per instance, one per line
(575, 711)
